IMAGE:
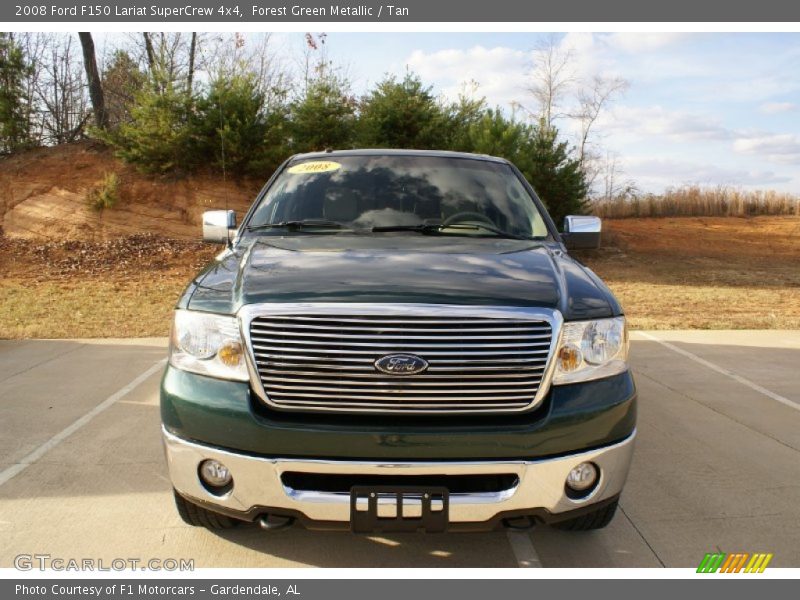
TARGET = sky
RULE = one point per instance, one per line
(716, 109)
(709, 109)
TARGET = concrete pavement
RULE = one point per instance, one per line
(716, 466)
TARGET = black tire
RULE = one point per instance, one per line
(594, 520)
(195, 515)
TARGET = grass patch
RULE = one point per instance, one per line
(703, 273)
(143, 307)
(135, 308)
(125, 287)
(709, 273)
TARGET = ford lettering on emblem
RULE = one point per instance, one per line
(401, 364)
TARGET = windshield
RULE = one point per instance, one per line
(458, 196)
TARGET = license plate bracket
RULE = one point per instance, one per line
(397, 508)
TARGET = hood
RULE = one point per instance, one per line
(400, 269)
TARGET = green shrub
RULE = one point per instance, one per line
(324, 117)
(233, 124)
(158, 137)
(105, 194)
(122, 80)
(230, 124)
(403, 114)
(496, 135)
(554, 173)
(542, 157)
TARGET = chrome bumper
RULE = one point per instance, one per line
(257, 481)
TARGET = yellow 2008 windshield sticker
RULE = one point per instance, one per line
(315, 166)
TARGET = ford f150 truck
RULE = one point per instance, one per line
(398, 340)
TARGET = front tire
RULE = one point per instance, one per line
(594, 520)
(197, 516)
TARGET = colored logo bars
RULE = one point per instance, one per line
(734, 563)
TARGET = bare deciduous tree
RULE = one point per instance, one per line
(62, 85)
(551, 78)
(123, 77)
(149, 52)
(190, 75)
(35, 45)
(560, 95)
(61, 92)
(592, 100)
(168, 57)
(225, 56)
(615, 185)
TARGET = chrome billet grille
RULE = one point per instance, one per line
(326, 362)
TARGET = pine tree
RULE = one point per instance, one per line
(556, 176)
(122, 79)
(403, 114)
(231, 125)
(158, 137)
(496, 135)
(544, 160)
(324, 117)
(14, 112)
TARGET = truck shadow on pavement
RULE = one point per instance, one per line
(301, 547)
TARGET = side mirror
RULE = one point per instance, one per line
(581, 232)
(218, 226)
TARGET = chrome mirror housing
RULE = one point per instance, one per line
(218, 225)
(582, 232)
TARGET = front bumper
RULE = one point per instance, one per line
(258, 488)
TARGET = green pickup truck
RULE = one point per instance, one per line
(398, 340)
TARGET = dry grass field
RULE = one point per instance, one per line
(696, 201)
(68, 270)
(669, 273)
(703, 272)
(119, 288)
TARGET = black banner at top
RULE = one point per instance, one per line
(360, 11)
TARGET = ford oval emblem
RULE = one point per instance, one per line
(401, 364)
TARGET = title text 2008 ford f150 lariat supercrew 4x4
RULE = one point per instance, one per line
(398, 341)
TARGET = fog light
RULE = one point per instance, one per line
(214, 473)
(582, 477)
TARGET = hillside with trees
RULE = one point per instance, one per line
(173, 107)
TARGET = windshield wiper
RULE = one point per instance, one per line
(303, 224)
(431, 228)
(486, 227)
(423, 227)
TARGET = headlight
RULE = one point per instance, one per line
(207, 344)
(591, 350)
